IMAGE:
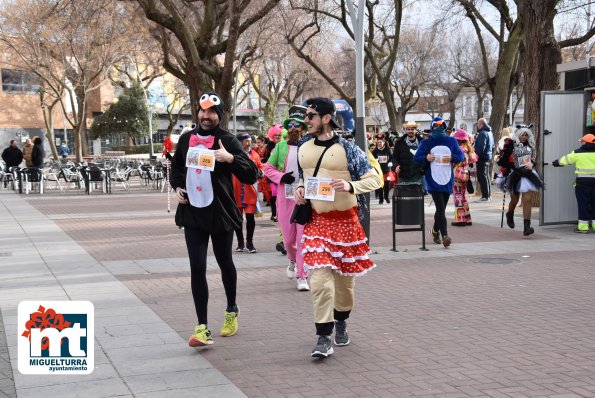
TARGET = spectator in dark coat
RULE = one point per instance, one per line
(38, 154)
(484, 146)
(12, 155)
(402, 161)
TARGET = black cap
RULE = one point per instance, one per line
(324, 106)
(296, 113)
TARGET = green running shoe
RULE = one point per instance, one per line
(201, 337)
(230, 324)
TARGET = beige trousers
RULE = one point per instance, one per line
(330, 290)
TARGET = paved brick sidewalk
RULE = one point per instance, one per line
(497, 315)
(457, 327)
(6, 379)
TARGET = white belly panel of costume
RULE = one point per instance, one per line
(441, 169)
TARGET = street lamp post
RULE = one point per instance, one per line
(357, 22)
(149, 115)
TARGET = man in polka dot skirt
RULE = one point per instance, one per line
(334, 242)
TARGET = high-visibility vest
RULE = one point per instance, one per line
(583, 160)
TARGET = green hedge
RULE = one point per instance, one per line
(144, 148)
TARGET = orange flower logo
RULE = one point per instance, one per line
(43, 319)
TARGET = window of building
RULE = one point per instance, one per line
(486, 106)
(433, 106)
(18, 81)
(468, 106)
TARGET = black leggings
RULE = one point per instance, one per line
(197, 242)
(383, 192)
(440, 201)
(250, 226)
(273, 202)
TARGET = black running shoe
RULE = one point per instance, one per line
(250, 248)
(341, 336)
(323, 347)
(436, 236)
(240, 248)
(280, 247)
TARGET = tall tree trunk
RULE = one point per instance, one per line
(78, 151)
(542, 54)
(452, 109)
(504, 74)
(389, 102)
(80, 131)
(49, 128)
(197, 84)
(480, 98)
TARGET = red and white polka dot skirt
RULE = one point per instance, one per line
(337, 240)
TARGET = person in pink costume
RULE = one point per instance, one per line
(275, 134)
(282, 169)
(462, 174)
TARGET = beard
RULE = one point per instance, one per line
(207, 124)
(293, 135)
(317, 131)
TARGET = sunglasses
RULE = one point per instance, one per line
(310, 115)
(277, 135)
(294, 124)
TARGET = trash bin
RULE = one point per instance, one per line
(408, 205)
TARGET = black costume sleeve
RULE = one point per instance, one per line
(242, 167)
(177, 176)
(504, 161)
(395, 156)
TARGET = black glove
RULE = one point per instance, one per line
(556, 163)
(288, 178)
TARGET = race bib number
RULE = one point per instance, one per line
(319, 189)
(382, 159)
(200, 158)
(443, 160)
(290, 191)
(525, 161)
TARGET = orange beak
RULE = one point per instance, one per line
(206, 104)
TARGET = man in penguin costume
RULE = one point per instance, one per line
(201, 175)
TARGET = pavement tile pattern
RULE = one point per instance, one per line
(7, 388)
(496, 315)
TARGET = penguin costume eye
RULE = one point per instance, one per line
(215, 100)
(203, 98)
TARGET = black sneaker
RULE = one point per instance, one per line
(250, 248)
(341, 336)
(436, 236)
(240, 248)
(281, 248)
(323, 348)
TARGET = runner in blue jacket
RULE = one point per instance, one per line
(437, 154)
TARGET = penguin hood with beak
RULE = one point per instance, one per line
(211, 99)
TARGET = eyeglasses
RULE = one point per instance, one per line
(294, 124)
(310, 115)
(277, 135)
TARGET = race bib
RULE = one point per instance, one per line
(440, 167)
(290, 191)
(319, 189)
(443, 160)
(383, 159)
(525, 161)
(200, 158)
